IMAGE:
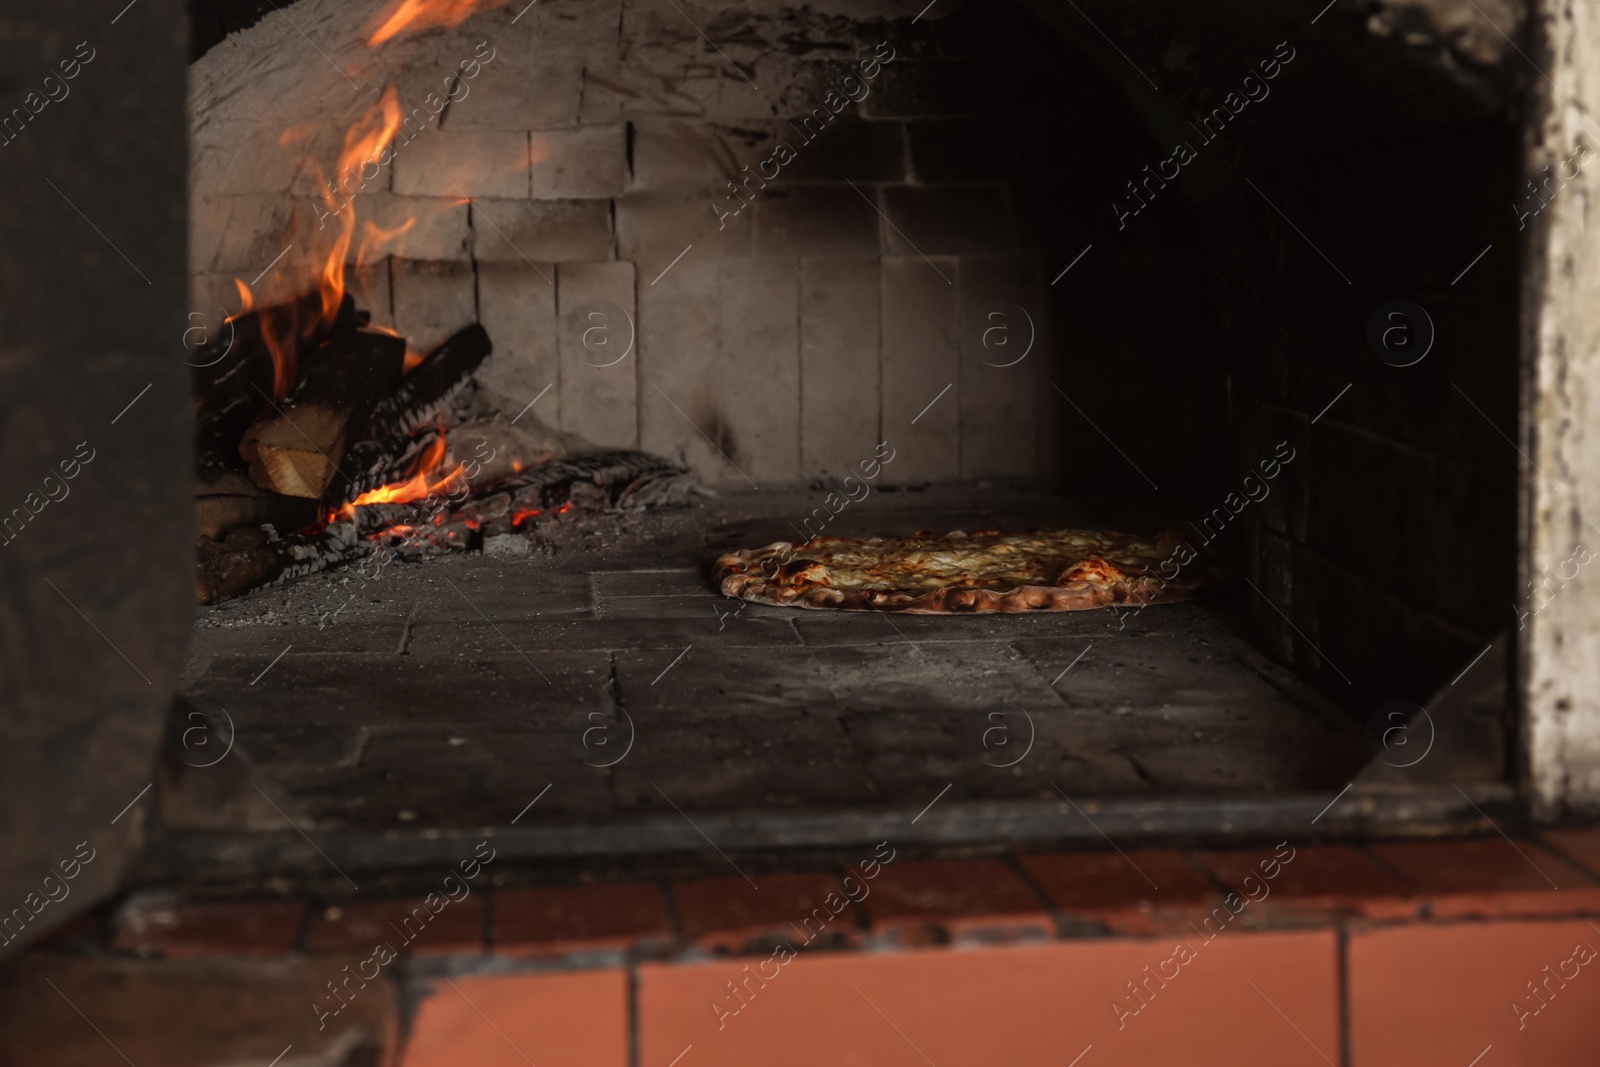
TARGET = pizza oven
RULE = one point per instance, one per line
(507, 319)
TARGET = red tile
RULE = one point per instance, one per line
(152, 927)
(730, 913)
(917, 903)
(1317, 881)
(1443, 993)
(1023, 1004)
(1490, 876)
(1142, 892)
(1582, 844)
(551, 920)
(408, 924)
(566, 1019)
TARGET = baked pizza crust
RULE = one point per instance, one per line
(960, 573)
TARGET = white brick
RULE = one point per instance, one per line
(654, 225)
(255, 228)
(599, 353)
(921, 356)
(437, 230)
(463, 163)
(431, 300)
(228, 157)
(587, 29)
(625, 90)
(680, 406)
(838, 365)
(686, 152)
(208, 227)
(543, 231)
(318, 154)
(589, 161)
(368, 286)
(528, 86)
(760, 350)
(517, 305)
(719, 360)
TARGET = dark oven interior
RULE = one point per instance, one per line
(998, 265)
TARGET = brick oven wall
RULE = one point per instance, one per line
(577, 197)
(1385, 557)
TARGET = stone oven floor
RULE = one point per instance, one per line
(448, 694)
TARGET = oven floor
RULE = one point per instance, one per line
(447, 694)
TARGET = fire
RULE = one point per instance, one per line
(421, 14)
(246, 299)
(419, 487)
(374, 237)
(287, 327)
(364, 143)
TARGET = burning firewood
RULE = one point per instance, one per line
(430, 386)
(384, 461)
(297, 450)
(234, 368)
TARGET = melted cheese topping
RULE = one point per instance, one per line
(984, 560)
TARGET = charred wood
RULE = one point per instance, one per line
(232, 371)
(229, 499)
(296, 449)
(379, 462)
(245, 559)
(426, 390)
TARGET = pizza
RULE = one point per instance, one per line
(961, 573)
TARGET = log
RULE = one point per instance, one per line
(246, 559)
(296, 449)
(230, 499)
(384, 461)
(430, 386)
(235, 367)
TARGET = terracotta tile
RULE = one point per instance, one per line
(1023, 1004)
(1146, 891)
(728, 914)
(551, 920)
(918, 903)
(567, 1019)
(157, 926)
(1318, 881)
(1490, 876)
(1582, 844)
(1444, 993)
(404, 924)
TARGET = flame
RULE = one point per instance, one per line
(287, 327)
(374, 237)
(247, 300)
(418, 487)
(364, 143)
(421, 14)
(281, 332)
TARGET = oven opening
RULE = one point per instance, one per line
(501, 348)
